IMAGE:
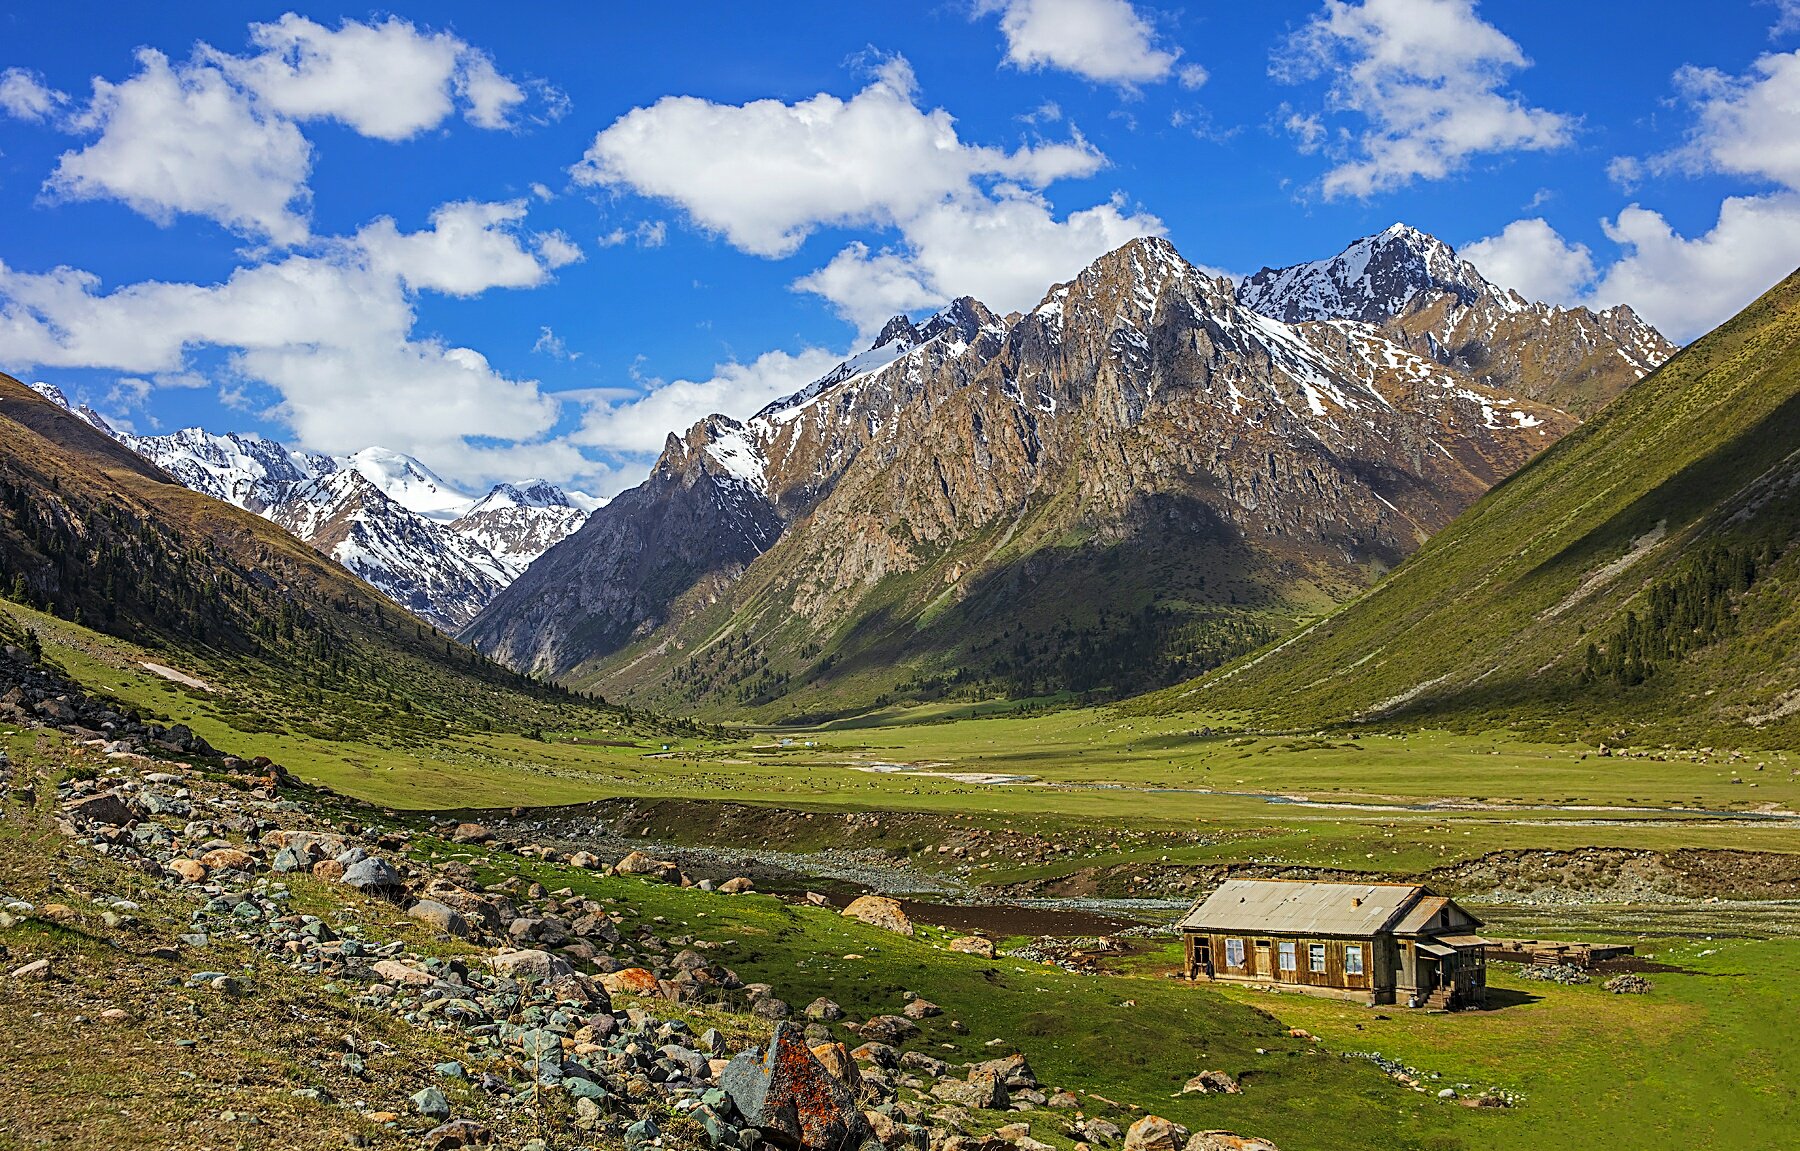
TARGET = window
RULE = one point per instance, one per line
(1353, 964)
(1234, 953)
(1315, 957)
(1288, 961)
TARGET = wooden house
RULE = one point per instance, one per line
(1374, 943)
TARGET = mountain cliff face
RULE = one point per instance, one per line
(1427, 299)
(1141, 477)
(428, 547)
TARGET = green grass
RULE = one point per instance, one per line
(1704, 1060)
(1114, 788)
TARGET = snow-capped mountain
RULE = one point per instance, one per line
(1426, 298)
(519, 523)
(975, 496)
(435, 550)
(426, 567)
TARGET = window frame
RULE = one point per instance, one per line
(1287, 955)
(1353, 959)
(1234, 946)
(1315, 958)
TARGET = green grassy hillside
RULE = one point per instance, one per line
(1637, 581)
(93, 534)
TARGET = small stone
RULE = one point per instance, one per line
(431, 1103)
(921, 1009)
(973, 945)
(36, 970)
(456, 1134)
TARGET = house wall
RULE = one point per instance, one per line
(1262, 964)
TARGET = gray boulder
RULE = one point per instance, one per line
(785, 1091)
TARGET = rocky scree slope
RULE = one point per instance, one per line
(428, 547)
(1141, 476)
(1635, 583)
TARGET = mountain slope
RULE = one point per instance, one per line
(93, 532)
(1137, 480)
(382, 514)
(1426, 298)
(1641, 568)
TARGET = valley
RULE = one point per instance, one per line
(684, 852)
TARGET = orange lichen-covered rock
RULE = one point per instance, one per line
(798, 1104)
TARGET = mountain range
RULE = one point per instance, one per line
(1637, 583)
(429, 547)
(1150, 473)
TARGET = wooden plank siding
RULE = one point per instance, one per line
(1264, 963)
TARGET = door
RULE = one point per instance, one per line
(1265, 959)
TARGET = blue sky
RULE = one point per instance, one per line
(521, 240)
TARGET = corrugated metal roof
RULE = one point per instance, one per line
(1419, 916)
(1463, 940)
(1287, 907)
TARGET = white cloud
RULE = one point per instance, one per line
(867, 288)
(390, 81)
(1007, 251)
(971, 219)
(332, 335)
(1531, 258)
(25, 96)
(216, 136)
(639, 425)
(552, 345)
(1104, 40)
(1745, 123)
(557, 250)
(1687, 286)
(490, 96)
(1744, 126)
(1428, 77)
(1787, 18)
(183, 140)
(648, 234)
(765, 175)
(470, 248)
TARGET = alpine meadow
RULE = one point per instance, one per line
(1021, 575)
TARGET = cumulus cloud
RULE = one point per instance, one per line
(1427, 77)
(1105, 40)
(389, 81)
(765, 175)
(25, 96)
(639, 424)
(1532, 258)
(326, 333)
(1687, 286)
(470, 248)
(1743, 126)
(217, 136)
(970, 218)
(184, 140)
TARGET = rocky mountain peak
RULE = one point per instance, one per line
(1377, 278)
